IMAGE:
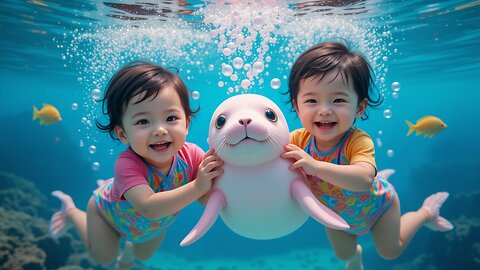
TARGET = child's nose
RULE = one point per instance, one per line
(325, 110)
(160, 130)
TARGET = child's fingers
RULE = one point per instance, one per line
(212, 152)
(212, 165)
(208, 159)
(292, 155)
(209, 153)
(292, 147)
(295, 165)
(215, 173)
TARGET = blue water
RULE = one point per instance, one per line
(57, 52)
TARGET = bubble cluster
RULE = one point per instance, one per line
(244, 31)
(361, 35)
(245, 45)
(98, 52)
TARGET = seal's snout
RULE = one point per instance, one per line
(245, 121)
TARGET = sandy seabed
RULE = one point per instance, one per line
(315, 259)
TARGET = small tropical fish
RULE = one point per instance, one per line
(429, 126)
(48, 115)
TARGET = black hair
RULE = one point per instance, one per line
(323, 58)
(133, 79)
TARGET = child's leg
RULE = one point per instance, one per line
(355, 263)
(143, 251)
(386, 231)
(126, 258)
(392, 233)
(103, 240)
(97, 236)
(346, 248)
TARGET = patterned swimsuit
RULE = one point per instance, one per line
(359, 209)
(128, 222)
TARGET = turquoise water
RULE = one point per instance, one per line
(58, 52)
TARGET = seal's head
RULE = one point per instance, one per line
(248, 130)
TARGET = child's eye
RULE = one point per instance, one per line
(171, 118)
(339, 100)
(311, 101)
(142, 122)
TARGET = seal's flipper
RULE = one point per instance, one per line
(314, 208)
(216, 202)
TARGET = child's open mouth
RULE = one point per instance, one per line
(160, 146)
(325, 125)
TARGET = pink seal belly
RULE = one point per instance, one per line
(260, 203)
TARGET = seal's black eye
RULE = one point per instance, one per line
(221, 120)
(271, 115)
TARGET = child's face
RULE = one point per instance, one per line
(327, 108)
(155, 129)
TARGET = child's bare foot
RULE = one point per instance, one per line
(60, 223)
(355, 263)
(432, 204)
(126, 258)
(100, 182)
(385, 174)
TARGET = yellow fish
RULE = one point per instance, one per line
(429, 126)
(48, 115)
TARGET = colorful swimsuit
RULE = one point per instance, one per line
(128, 222)
(359, 209)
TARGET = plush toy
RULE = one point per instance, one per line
(258, 196)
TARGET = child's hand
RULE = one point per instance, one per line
(301, 160)
(210, 168)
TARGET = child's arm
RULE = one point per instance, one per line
(355, 177)
(156, 205)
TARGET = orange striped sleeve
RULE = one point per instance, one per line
(300, 137)
(359, 147)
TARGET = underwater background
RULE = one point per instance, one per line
(426, 56)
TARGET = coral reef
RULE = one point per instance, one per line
(459, 249)
(24, 240)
